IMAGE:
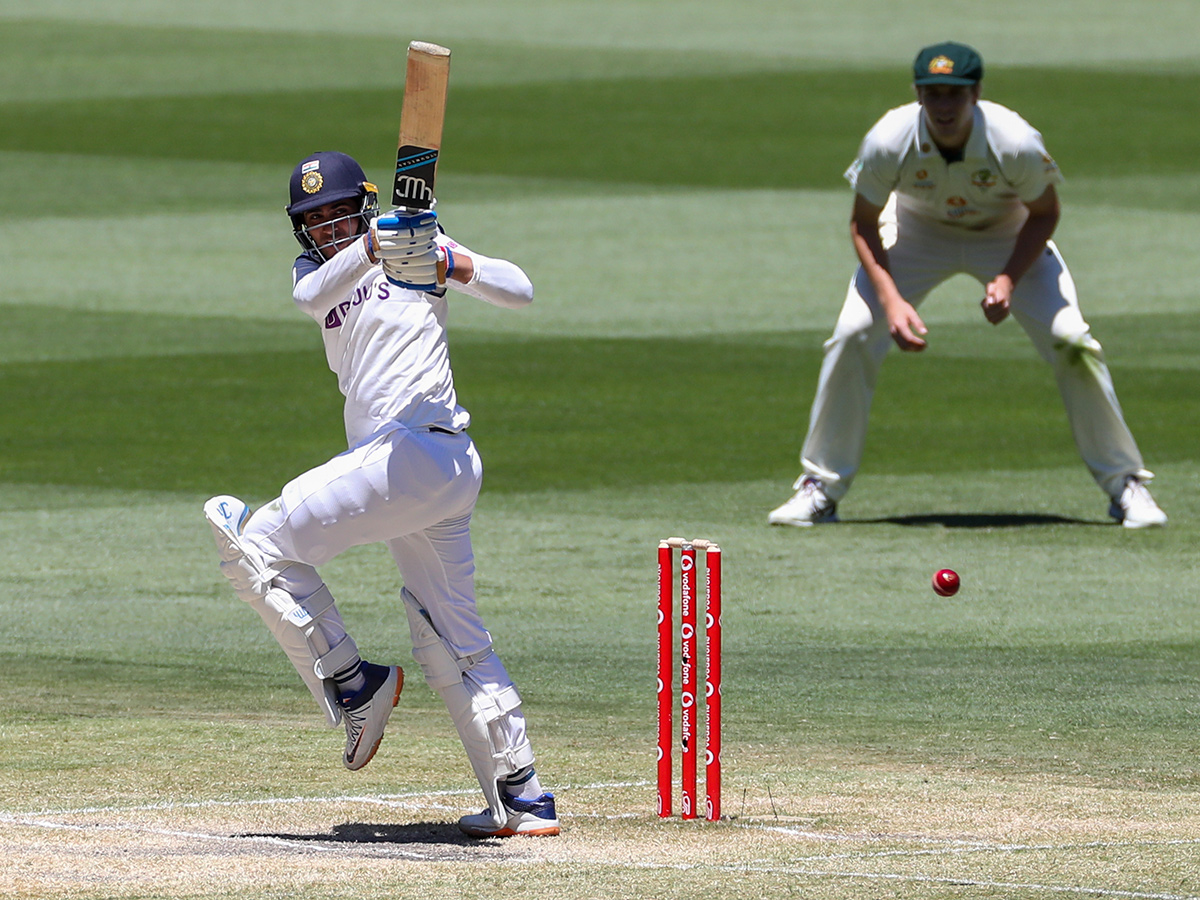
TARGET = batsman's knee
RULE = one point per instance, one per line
(292, 601)
(244, 567)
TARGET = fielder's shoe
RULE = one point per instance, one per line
(365, 713)
(809, 506)
(1135, 508)
(525, 817)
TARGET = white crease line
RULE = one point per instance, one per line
(1002, 848)
(164, 832)
(765, 870)
(377, 799)
(917, 879)
(228, 804)
(321, 846)
(951, 845)
(971, 882)
(959, 846)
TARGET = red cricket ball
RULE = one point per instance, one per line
(946, 582)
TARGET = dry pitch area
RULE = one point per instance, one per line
(896, 833)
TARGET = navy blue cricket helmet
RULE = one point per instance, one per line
(330, 177)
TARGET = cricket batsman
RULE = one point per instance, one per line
(376, 286)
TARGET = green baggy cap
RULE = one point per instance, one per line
(948, 63)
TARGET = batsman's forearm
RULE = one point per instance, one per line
(496, 281)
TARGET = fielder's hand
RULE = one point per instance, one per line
(906, 327)
(995, 301)
(406, 244)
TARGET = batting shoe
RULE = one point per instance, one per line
(527, 818)
(365, 713)
(1135, 508)
(808, 506)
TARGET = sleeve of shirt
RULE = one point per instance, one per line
(1021, 154)
(876, 171)
(1036, 169)
(495, 281)
(319, 287)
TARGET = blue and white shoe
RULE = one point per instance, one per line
(365, 713)
(527, 818)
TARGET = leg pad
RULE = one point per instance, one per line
(482, 701)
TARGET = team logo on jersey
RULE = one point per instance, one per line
(983, 179)
(311, 182)
(941, 65)
(959, 208)
(922, 180)
(340, 314)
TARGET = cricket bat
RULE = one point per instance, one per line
(424, 110)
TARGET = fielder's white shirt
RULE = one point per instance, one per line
(387, 345)
(1004, 166)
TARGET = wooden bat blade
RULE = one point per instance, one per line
(426, 80)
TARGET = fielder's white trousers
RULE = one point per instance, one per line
(921, 257)
(414, 491)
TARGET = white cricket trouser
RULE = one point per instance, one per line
(415, 491)
(412, 490)
(1044, 303)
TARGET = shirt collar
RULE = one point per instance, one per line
(976, 147)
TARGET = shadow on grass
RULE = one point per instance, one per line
(428, 833)
(978, 520)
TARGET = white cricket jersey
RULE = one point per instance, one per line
(386, 344)
(1004, 166)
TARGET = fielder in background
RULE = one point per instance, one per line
(953, 184)
(376, 286)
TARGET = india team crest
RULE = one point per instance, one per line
(311, 182)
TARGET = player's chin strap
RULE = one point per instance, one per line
(482, 701)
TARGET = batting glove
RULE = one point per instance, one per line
(399, 236)
(416, 273)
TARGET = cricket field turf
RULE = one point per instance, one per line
(669, 174)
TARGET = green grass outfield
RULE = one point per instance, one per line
(669, 175)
